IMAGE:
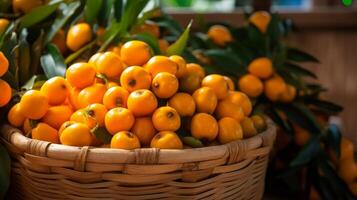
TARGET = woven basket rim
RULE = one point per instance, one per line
(34, 147)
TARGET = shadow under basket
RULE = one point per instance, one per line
(41, 170)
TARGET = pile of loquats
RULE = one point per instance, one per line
(5, 89)
(261, 78)
(139, 100)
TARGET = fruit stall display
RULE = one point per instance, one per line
(126, 87)
(309, 158)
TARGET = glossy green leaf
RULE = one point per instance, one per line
(32, 82)
(24, 58)
(291, 78)
(36, 51)
(325, 106)
(38, 14)
(192, 142)
(5, 5)
(300, 71)
(67, 11)
(148, 15)
(279, 120)
(257, 41)
(79, 52)
(273, 30)
(309, 152)
(301, 115)
(105, 12)
(52, 62)
(226, 61)
(4, 171)
(102, 134)
(131, 12)
(118, 9)
(150, 40)
(6, 34)
(177, 47)
(91, 10)
(300, 56)
(170, 24)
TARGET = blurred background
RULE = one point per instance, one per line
(325, 28)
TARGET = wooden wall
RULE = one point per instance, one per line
(330, 35)
(337, 52)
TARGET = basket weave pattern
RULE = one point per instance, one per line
(41, 170)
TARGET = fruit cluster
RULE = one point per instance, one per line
(6, 91)
(139, 99)
(261, 78)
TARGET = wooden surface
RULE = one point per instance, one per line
(337, 52)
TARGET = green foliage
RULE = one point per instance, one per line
(91, 10)
(52, 62)
(118, 29)
(66, 11)
(38, 14)
(177, 47)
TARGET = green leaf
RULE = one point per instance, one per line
(300, 56)
(79, 52)
(333, 138)
(298, 70)
(52, 62)
(36, 51)
(32, 82)
(4, 7)
(301, 115)
(150, 40)
(278, 119)
(192, 142)
(180, 44)
(338, 186)
(226, 61)
(148, 15)
(105, 12)
(131, 12)
(24, 58)
(38, 14)
(4, 171)
(6, 34)
(102, 134)
(325, 106)
(91, 10)
(257, 41)
(309, 152)
(170, 24)
(118, 9)
(274, 31)
(66, 12)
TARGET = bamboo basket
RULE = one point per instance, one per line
(41, 170)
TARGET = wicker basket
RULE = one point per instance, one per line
(41, 170)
